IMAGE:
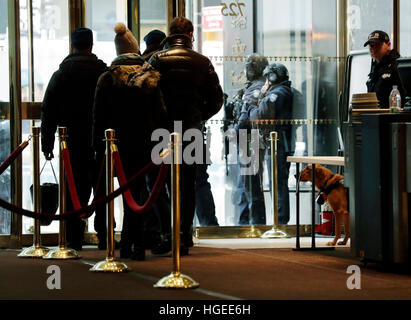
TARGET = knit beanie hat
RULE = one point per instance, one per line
(124, 40)
(154, 36)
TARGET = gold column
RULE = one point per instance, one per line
(396, 24)
(15, 118)
(176, 280)
(109, 264)
(181, 8)
(62, 252)
(274, 233)
(342, 42)
(36, 250)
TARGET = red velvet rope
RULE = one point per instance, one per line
(6, 163)
(162, 175)
(88, 209)
(70, 179)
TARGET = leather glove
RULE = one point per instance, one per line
(48, 155)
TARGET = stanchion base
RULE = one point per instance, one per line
(62, 254)
(275, 234)
(33, 252)
(109, 266)
(176, 281)
(314, 249)
(252, 233)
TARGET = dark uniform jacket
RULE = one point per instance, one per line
(151, 50)
(128, 99)
(383, 76)
(190, 86)
(68, 102)
(277, 104)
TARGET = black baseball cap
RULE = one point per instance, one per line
(377, 36)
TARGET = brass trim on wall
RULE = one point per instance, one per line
(29, 110)
(15, 118)
(133, 18)
(77, 15)
(342, 42)
(396, 25)
(236, 232)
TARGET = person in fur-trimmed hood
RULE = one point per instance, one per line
(128, 99)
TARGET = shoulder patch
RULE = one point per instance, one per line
(273, 97)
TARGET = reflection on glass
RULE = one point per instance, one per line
(4, 124)
(365, 16)
(50, 47)
(152, 16)
(102, 16)
(405, 28)
(301, 35)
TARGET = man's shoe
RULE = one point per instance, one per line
(75, 246)
(162, 248)
(184, 251)
(139, 255)
(103, 245)
(125, 253)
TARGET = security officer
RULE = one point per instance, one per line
(384, 74)
(251, 198)
(277, 103)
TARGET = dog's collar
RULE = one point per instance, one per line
(326, 190)
(324, 186)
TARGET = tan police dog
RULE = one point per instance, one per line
(333, 187)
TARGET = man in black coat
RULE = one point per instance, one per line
(192, 94)
(68, 102)
(384, 73)
(153, 40)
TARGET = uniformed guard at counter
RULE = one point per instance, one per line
(384, 74)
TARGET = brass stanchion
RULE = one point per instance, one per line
(109, 264)
(62, 252)
(176, 280)
(274, 233)
(36, 250)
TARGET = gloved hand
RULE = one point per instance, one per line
(48, 155)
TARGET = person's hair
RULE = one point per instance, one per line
(82, 38)
(181, 25)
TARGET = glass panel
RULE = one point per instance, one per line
(51, 40)
(365, 16)
(4, 124)
(301, 35)
(50, 47)
(101, 17)
(405, 28)
(153, 15)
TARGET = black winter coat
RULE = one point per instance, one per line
(190, 86)
(128, 99)
(68, 102)
(383, 76)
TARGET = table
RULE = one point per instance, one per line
(324, 160)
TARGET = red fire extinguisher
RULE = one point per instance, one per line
(327, 216)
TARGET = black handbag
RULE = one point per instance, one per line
(49, 197)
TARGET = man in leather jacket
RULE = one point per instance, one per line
(192, 94)
(384, 74)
